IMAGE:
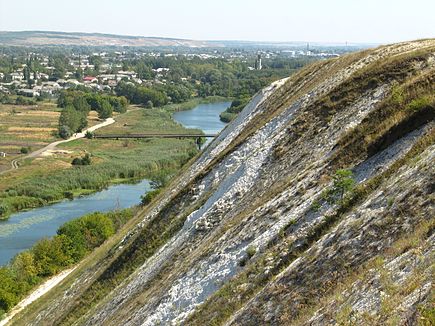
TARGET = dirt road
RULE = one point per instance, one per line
(51, 146)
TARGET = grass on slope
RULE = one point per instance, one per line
(217, 309)
(416, 102)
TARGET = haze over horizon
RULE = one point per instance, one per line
(337, 21)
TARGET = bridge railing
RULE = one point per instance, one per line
(137, 136)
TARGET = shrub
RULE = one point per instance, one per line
(227, 116)
(250, 251)
(149, 196)
(342, 184)
(85, 160)
(25, 150)
(4, 209)
(420, 103)
(86, 233)
(65, 132)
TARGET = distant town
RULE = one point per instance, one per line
(42, 74)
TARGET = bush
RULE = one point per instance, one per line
(85, 160)
(250, 251)
(227, 116)
(24, 101)
(4, 210)
(149, 196)
(236, 107)
(86, 233)
(65, 132)
(25, 150)
(420, 103)
(343, 183)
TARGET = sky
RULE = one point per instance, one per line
(336, 21)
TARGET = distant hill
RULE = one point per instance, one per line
(44, 38)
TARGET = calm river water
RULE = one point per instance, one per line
(23, 229)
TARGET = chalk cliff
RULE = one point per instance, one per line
(314, 207)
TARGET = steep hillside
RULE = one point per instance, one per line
(267, 225)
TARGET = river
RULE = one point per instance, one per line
(22, 230)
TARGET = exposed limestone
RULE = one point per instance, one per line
(259, 244)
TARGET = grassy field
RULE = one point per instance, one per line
(26, 126)
(29, 126)
(140, 120)
(52, 177)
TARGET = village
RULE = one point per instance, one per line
(47, 83)
(39, 76)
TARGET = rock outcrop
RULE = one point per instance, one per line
(257, 229)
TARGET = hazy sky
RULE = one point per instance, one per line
(374, 21)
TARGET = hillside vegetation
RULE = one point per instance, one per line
(313, 207)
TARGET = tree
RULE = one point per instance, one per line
(96, 61)
(78, 74)
(24, 267)
(51, 255)
(343, 182)
(65, 132)
(119, 104)
(71, 121)
(8, 289)
(87, 232)
(80, 104)
(85, 160)
(105, 111)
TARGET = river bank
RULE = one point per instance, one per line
(23, 231)
(163, 157)
(51, 179)
(46, 180)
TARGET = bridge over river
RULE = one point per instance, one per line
(139, 136)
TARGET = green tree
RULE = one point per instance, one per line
(71, 121)
(343, 182)
(78, 74)
(105, 111)
(24, 268)
(51, 255)
(80, 104)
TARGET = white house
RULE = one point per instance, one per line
(28, 92)
(17, 76)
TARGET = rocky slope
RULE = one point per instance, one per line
(260, 229)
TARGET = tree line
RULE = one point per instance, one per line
(73, 241)
(77, 105)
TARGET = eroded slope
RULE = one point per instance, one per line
(244, 235)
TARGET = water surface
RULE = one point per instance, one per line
(22, 230)
(204, 117)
